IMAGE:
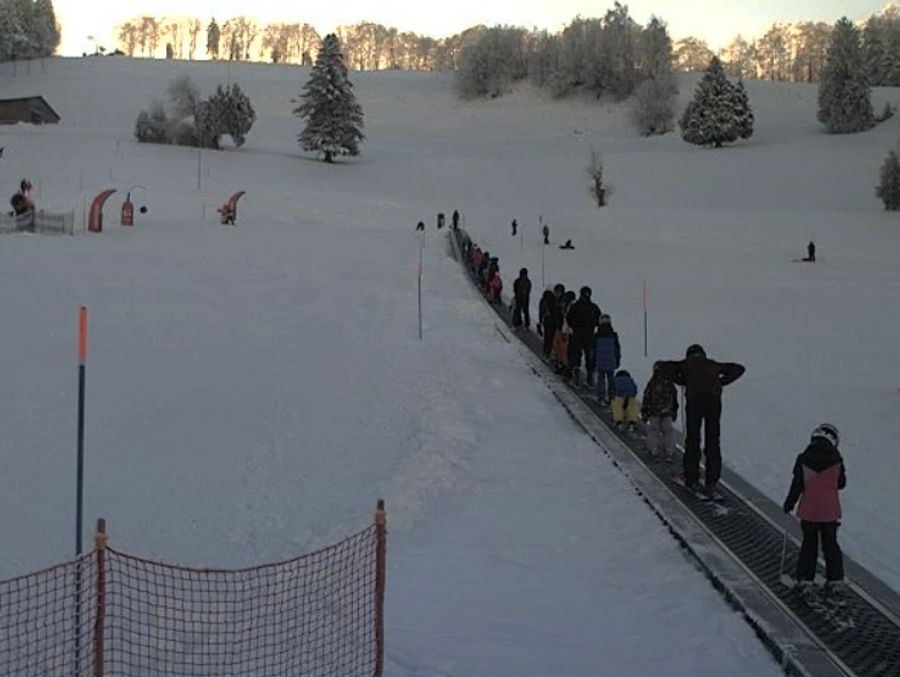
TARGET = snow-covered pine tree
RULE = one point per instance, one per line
(333, 116)
(742, 111)
(888, 188)
(710, 118)
(844, 103)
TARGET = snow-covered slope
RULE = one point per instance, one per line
(253, 390)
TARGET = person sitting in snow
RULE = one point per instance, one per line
(567, 245)
(818, 477)
(626, 409)
(659, 408)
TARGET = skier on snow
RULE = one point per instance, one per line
(659, 408)
(703, 380)
(818, 477)
(521, 299)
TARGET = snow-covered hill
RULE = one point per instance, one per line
(253, 390)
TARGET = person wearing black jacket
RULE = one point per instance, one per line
(583, 317)
(703, 380)
(521, 299)
(818, 477)
(548, 314)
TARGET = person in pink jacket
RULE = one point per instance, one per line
(818, 477)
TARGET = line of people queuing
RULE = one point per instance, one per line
(574, 328)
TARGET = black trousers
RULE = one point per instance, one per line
(809, 551)
(583, 342)
(520, 309)
(703, 411)
(549, 333)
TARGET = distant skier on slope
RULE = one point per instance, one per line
(703, 380)
(455, 218)
(514, 226)
(811, 252)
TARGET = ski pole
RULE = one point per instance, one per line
(784, 540)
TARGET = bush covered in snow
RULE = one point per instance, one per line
(889, 185)
(653, 106)
(192, 121)
(152, 126)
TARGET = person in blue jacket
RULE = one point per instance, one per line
(626, 408)
(608, 356)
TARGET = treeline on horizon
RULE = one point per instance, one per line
(793, 52)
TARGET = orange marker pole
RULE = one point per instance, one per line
(79, 490)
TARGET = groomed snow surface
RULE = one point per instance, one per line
(253, 390)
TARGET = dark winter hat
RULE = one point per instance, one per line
(695, 349)
(523, 272)
(585, 292)
(605, 319)
(828, 431)
(559, 289)
(622, 373)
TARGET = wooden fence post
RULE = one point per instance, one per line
(100, 542)
(380, 566)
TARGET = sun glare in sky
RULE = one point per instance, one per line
(87, 23)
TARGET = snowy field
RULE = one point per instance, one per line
(253, 390)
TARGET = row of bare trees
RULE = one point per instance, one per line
(786, 51)
(366, 45)
(795, 52)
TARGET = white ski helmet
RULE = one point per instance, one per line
(828, 431)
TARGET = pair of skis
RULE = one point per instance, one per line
(832, 608)
(698, 493)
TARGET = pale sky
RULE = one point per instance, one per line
(716, 21)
